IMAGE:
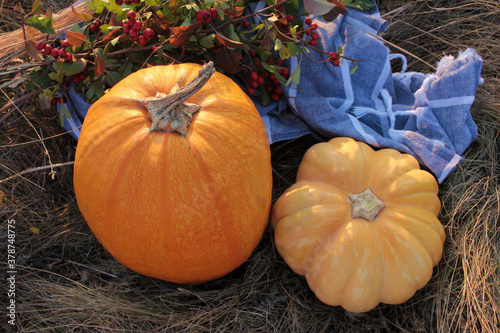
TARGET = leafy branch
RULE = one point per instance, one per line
(121, 36)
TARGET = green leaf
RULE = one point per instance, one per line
(340, 51)
(125, 69)
(153, 2)
(57, 76)
(113, 78)
(72, 68)
(295, 50)
(277, 45)
(97, 5)
(354, 68)
(295, 77)
(284, 52)
(270, 68)
(359, 4)
(75, 28)
(63, 114)
(95, 90)
(42, 23)
(265, 99)
(232, 34)
(37, 8)
(207, 41)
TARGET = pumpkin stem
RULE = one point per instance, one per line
(171, 113)
(366, 205)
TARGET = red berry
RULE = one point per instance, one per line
(254, 84)
(148, 33)
(336, 62)
(47, 50)
(260, 79)
(68, 56)
(131, 22)
(62, 99)
(98, 23)
(131, 15)
(246, 25)
(277, 90)
(65, 44)
(279, 62)
(119, 2)
(250, 91)
(254, 76)
(308, 21)
(133, 33)
(76, 79)
(138, 25)
(285, 71)
(40, 45)
(275, 97)
(308, 31)
(92, 27)
(136, 1)
(213, 12)
(290, 18)
(126, 28)
(54, 100)
(82, 76)
(333, 55)
(142, 40)
(61, 53)
(280, 8)
(128, 2)
(269, 88)
(315, 35)
(313, 42)
(314, 26)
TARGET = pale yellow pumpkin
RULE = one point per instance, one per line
(360, 224)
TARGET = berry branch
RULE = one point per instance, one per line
(121, 36)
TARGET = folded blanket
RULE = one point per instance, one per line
(426, 115)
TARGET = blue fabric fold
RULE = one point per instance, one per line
(425, 115)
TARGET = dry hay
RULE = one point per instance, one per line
(67, 282)
(12, 36)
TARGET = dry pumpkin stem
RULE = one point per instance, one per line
(366, 205)
(171, 113)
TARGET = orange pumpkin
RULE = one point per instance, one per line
(360, 224)
(173, 173)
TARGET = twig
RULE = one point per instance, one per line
(51, 166)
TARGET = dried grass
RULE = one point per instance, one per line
(68, 283)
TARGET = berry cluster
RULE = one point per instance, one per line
(56, 52)
(136, 30)
(93, 27)
(311, 31)
(56, 100)
(271, 82)
(127, 2)
(206, 16)
(284, 22)
(61, 52)
(334, 58)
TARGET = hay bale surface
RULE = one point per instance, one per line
(66, 282)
